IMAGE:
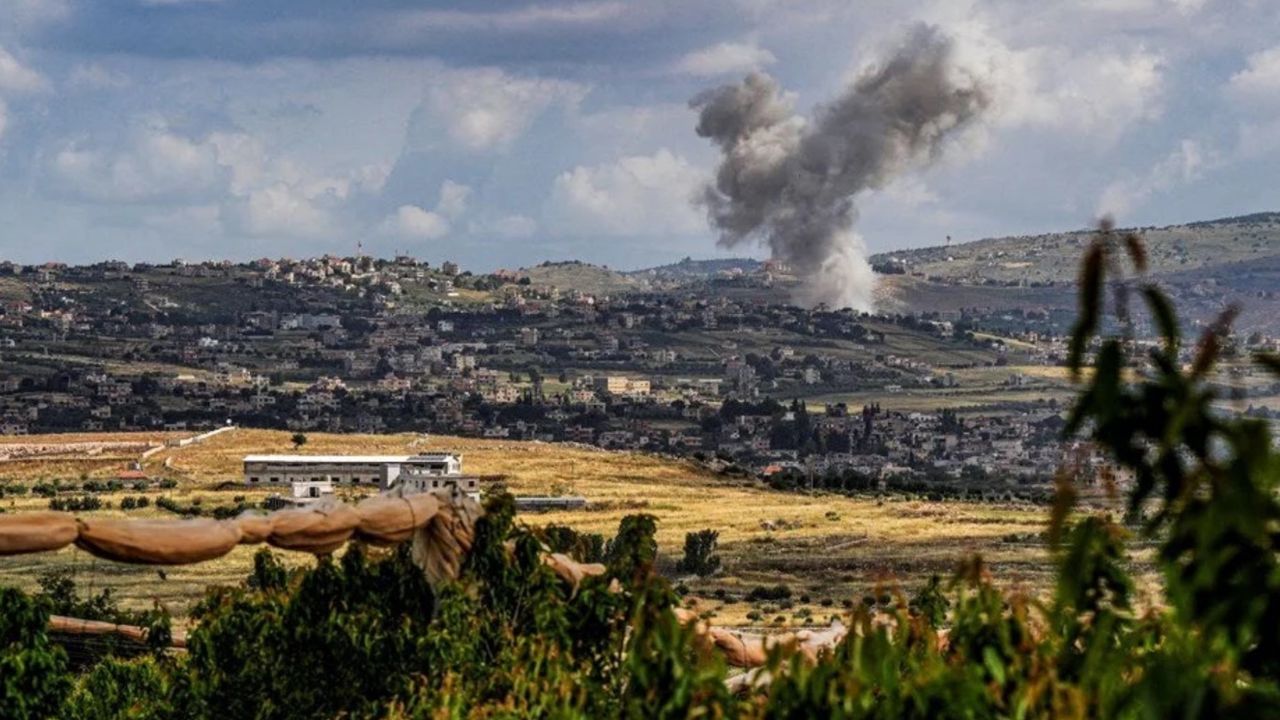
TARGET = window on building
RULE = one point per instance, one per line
(253, 479)
(275, 479)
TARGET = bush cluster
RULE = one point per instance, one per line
(83, 503)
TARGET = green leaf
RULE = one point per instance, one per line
(995, 666)
(1092, 273)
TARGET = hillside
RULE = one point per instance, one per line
(1054, 258)
(689, 269)
(583, 277)
(1204, 266)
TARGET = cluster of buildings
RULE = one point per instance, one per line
(368, 345)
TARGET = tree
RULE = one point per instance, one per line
(33, 678)
(298, 440)
(699, 553)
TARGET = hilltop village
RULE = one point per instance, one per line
(702, 360)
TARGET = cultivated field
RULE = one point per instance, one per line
(827, 548)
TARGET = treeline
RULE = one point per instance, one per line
(973, 485)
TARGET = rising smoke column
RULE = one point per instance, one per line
(790, 183)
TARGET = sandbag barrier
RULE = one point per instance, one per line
(739, 649)
(441, 527)
(442, 523)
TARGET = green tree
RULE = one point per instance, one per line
(33, 679)
(699, 553)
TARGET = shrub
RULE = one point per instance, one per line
(33, 679)
(84, 503)
(776, 592)
(699, 553)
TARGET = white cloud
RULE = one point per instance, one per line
(97, 77)
(453, 199)
(371, 178)
(4, 118)
(725, 59)
(642, 195)
(282, 210)
(486, 110)
(531, 17)
(259, 193)
(1259, 82)
(1183, 166)
(155, 164)
(411, 221)
(18, 78)
(1098, 93)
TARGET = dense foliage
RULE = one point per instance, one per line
(366, 636)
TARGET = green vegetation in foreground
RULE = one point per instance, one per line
(367, 637)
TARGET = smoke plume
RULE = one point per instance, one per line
(790, 182)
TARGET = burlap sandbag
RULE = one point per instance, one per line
(440, 546)
(157, 542)
(318, 530)
(255, 528)
(754, 679)
(742, 650)
(570, 570)
(815, 643)
(34, 532)
(387, 520)
(63, 625)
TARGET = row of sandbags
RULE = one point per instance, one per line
(749, 650)
(740, 649)
(322, 529)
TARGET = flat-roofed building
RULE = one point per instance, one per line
(623, 385)
(415, 473)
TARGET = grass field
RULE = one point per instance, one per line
(828, 547)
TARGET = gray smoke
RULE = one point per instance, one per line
(791, 183)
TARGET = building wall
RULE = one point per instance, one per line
(417, 476)
(339, 473)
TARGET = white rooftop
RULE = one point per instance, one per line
(353, 459)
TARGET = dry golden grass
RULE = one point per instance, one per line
(78, 437)
(832, 546)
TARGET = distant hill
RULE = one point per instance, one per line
(689, 269)
(597, 280)
(1206, 266)
(1032, 260)
(585, 277)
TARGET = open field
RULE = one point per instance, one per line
(930, 400)
(831, 548)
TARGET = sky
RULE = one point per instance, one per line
(501, 133)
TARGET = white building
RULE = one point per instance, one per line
(415, 473)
